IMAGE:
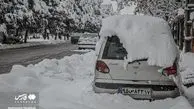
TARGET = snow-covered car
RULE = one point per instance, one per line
(75, 37)
(88, 41)
(135, 57)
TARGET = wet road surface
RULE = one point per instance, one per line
(33, 55)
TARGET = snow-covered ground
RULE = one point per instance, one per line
(187, 72)
(67, 84)
(33, 42)
(83, 51)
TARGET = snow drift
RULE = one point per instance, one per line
(187, 68)
(67, 84)
(187, 73)
(143, 37)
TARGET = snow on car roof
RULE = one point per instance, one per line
(143, 37)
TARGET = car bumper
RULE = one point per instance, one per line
(158, 91)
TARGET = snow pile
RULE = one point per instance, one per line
(187, 73)
(31, 43)
(187, 67)
(38, 40)
(67, 84)
(50, 38)
(143, 37)
(82, 51)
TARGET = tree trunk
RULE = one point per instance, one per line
(4, 39)
(68, 36)
(26, 36)
(44, 34)
(47, 36)
(17, 32)
(60, 36)
(181, 34)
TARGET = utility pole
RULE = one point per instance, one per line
(189, 8)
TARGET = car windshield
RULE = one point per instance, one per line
(114, 49)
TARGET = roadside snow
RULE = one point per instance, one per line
(29, 44)
(187, 72)
(83, 51)
(187, 60)
(32, 42)
(143, 37)
(67, 84)
(187, 67)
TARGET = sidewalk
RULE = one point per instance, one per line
(31, 43)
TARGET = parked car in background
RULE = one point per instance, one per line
(88, 41)
(75, 37)
(116, 73)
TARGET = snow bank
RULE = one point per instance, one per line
(143, 37)
(187, 60)
(67, 84)
(83, 51)
(187, 67)
(187, 72)
(34, 42)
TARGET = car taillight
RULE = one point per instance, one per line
(102, 67)
(171, 70)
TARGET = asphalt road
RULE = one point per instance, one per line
(33, 55)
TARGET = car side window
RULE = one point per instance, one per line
(114, 49)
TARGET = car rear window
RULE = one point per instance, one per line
(114, 49)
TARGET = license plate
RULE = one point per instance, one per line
(136, 92)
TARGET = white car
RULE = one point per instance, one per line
(88, 41)
(138, 80)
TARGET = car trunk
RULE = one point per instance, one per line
(136, 71)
